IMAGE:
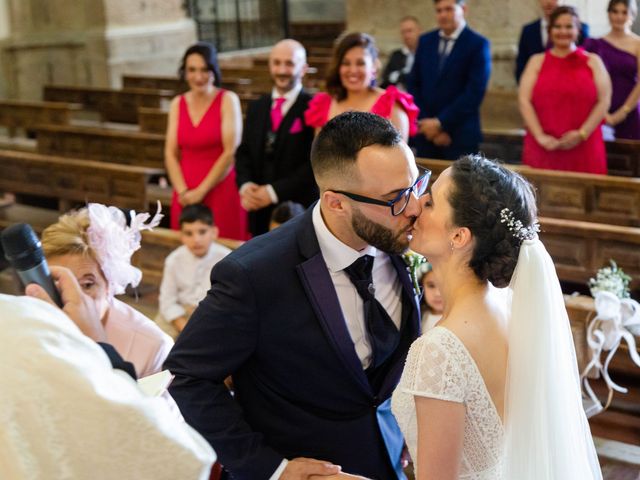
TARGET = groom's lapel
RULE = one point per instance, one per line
(403, 274)
(322, 295)
(411, 329)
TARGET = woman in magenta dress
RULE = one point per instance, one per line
(620, 52)
(351, 86)
(203, 132)
(564, 95)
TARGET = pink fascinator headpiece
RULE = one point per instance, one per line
(113, 243)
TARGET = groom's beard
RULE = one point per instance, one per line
(380, 237)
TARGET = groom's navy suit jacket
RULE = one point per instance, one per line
(272, 319)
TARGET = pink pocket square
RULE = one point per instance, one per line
(297, 126)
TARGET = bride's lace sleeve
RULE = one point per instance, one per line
(434, 368)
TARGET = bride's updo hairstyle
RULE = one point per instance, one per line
(481, 190)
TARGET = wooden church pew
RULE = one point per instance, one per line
(117, 146)
(576, 196)
(113, 105)
(75, 181)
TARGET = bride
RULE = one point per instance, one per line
(493, 391)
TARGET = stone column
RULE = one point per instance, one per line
(4, 34)
(90, 42)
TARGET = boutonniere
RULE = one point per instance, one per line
(414, 262)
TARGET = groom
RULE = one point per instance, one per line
(314, 339)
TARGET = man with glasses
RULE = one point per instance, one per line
(313, 321)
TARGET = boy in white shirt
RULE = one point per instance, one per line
(187, 270)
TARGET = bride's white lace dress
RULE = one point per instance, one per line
(439, 366)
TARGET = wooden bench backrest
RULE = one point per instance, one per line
(129, 148)
(113, 105)
(579, 249)
(623, 156)
(152, 120)
(156, 82)
(75, 180)
(24, 114)
(577, 196)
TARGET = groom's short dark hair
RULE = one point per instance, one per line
(335, 149)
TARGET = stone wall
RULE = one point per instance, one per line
(317, 11)
(4, 34)
(498, 20)
(89, 42)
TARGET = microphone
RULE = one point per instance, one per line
(23, 250)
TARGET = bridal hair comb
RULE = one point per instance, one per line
(516, 227)
(113, 243)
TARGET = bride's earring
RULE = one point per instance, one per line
(451, 245)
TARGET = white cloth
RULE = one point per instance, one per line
(339, 256)
(544, 33)
(186, 279)
(439, 366)
(547, 435)
(67, 414)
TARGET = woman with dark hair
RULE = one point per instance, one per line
(620, 51)
(203, 132)
(351, 86)
(492, 391)
(564, 95)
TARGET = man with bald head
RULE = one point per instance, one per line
(272, 162)
(534, 37)
(313, 321)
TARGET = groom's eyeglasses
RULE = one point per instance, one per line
(401, 201)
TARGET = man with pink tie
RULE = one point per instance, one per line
(272, 162)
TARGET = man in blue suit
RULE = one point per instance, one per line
(315, 350)
(448, 82)
(534, 36)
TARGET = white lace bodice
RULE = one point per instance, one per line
(439, 366)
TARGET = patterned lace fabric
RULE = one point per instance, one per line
(439, 366)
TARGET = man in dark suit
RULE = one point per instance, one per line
(535, 37)
(448, 82)
(401, 60)
(313, 320)
(272, 162)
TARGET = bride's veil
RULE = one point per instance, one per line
(547, 436)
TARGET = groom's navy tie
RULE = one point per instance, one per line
(383, 334)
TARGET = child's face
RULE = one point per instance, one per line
(198, 236)
(432, 296)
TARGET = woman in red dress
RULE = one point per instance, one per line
(203, 132)
(564, 96)
(351, 86)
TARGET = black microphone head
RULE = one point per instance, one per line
(22, 248)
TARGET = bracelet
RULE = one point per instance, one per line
(183, 192)
(583, 134)
(626, 108)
